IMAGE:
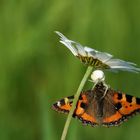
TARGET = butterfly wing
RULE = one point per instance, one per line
(64, 106)
(123, 107)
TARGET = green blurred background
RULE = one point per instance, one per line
(36, 70)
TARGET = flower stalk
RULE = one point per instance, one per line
(76, 97)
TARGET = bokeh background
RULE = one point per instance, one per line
(36, 70)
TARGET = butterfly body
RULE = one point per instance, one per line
(96, 108)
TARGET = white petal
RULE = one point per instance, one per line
(102, 56)
(67, 43)
(122, 65)
(87, 49)
(81, 50)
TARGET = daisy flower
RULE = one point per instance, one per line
(92, 57)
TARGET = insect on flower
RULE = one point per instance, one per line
(100, 106)
(100, 60)
(96, 108)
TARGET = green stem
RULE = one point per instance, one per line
(76, 97)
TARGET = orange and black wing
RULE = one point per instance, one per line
(125, 106)
(64, 106)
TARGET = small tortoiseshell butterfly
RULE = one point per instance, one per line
(96, 108)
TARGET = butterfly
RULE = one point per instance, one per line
(94, 107)
(100, 60)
